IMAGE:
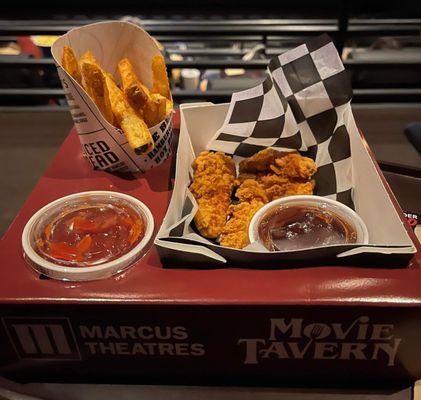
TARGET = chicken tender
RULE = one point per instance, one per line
(294, 166)
(213, 182)
(252, 195)
(295, 188)
(211, 216)
(244, 176)
(266, 176)
(276, 191)
(274, 185)
(208, 161)
(271, 187)
(235, 232)
(250, 190)
(260, 161)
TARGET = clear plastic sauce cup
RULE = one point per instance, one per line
(87, 236)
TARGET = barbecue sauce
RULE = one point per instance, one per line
(300, 227)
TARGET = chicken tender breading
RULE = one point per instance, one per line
(275, 186)
(272, 179)
(242, 177)
(211, 216)
(235, 232)
(271, 187)
(278, 186)
(209, 162)
(208, 185)
(213, 182)
(260, 161)
(294, 188)
(250, 190)
(294, 166)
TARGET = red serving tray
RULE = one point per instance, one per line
(148, 282)
(44, 323)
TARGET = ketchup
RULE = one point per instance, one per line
(299, 227)
(90, 234)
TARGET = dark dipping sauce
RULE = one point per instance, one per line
(90, 234)
(300, 227)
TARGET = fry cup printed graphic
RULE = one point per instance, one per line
(105, 146)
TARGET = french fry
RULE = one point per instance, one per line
(87, 58)
(155, 109)
(136, 93)
(133, 126)
(160, 78)
(168, 106)
(94, 83)
(69, 63)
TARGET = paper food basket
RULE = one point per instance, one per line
(304, 105)
(105, 146)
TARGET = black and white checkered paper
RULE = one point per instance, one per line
(301, 105)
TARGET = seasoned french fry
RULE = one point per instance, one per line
(133, 126)
(87, 57)
(168, 106)
(137, 133)
(69, 63)
(155, 109)
(94, 84)
(136, 93)
(160, 78)
(150, 112)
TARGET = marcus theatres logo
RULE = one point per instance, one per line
(296, 339)
(42, 338)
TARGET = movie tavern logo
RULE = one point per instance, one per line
(296, 338)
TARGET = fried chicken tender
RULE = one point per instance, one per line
(235, 232)
(212, 214)
(253, 192)
(207, 161)
(250, 190)
(206, 185)
(278, 186)
(274, 185)
(244, 176)
(252, 196)
(213, 182)
(276, 191)
(294, 165)
(266, 176)
(260, 161)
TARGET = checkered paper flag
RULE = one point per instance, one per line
(301, 105)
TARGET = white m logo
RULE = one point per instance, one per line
(50, 338)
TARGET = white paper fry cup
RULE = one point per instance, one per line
(84, 273)
(339, 209)
(104, 145)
